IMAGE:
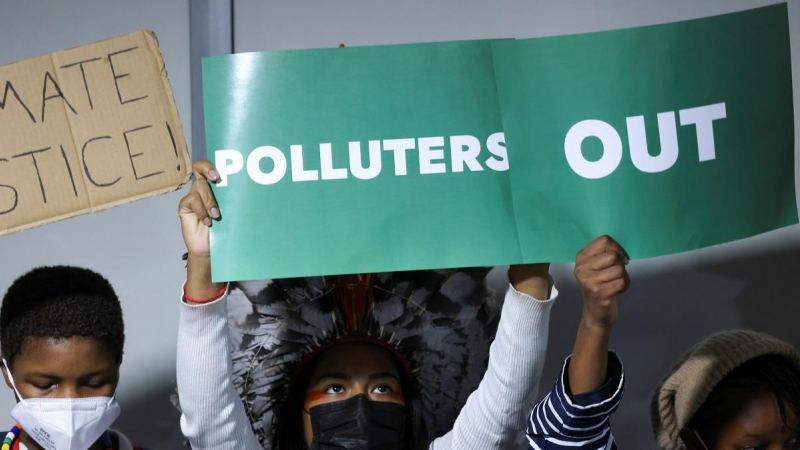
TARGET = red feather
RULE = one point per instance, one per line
(353, 296)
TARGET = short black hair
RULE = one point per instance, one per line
(60, 302)
(776, 374)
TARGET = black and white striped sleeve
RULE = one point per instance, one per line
(564, 421)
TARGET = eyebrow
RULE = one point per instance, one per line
(42, 375)
(55, 377)
(334, 375)
(377, 376)
(756, 437)
(348, 377)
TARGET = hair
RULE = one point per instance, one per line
(289, 431)
(60, 302)
(775, 374)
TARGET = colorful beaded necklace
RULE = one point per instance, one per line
(12, 435)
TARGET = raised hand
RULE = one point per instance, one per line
(600, 271)
(197, 211)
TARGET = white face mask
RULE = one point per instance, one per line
(64, 423)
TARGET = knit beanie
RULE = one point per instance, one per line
(698, 372)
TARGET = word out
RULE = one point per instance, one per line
(702, 118)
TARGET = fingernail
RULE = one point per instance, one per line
(213, 175)
(214, 212)
(207, 221)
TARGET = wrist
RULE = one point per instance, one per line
(531, 279)
(597, 327)
(208, 299)
(198, 256)
(198, 278)
(519, 272)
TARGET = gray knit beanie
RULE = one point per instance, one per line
(698, 372)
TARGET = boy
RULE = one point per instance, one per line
(61, 336)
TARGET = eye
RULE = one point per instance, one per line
(335, 389)
(383, 389)
(97, 384)
(44, 386)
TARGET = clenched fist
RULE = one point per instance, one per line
(600, 271)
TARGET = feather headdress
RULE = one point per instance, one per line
(443, 322)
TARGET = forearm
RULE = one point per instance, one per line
(589, 365)
(532, 280)
(198, 278)
(213, 416)
(494, 413)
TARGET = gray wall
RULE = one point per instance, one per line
(674, 301)
(137, 246)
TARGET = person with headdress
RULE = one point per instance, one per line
(736, 389)
(370, 361)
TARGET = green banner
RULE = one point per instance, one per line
(456, 154)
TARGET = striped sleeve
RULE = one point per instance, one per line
(564, 421)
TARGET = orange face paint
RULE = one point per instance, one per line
(316, 395)
(313, 396)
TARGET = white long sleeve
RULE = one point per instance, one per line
(494, 416)
(213, 416)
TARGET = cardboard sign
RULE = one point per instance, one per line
(458, 154)
(86, 129)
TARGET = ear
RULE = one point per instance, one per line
(690, 439)
(5, 375)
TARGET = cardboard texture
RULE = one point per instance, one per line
(86, 129)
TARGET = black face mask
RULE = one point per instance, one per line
(358, 424)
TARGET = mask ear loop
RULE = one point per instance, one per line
(13, 385)
(700, 439)
(114, 395)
